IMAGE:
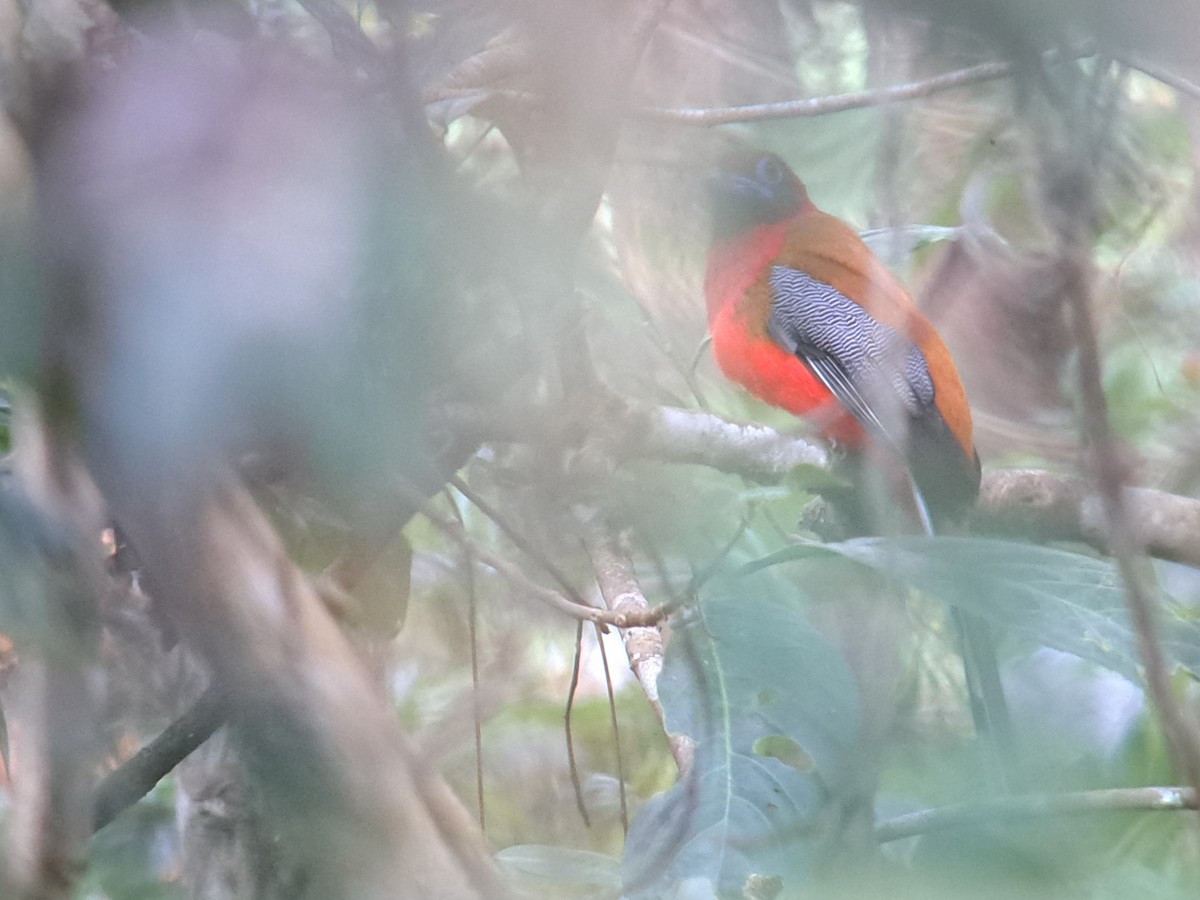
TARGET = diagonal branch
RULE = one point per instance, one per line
(1170, 79)
(352, 796)
(136, 777)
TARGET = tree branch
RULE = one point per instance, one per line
(126, 785)
(1035, 806)
(1026, 502)
(708, 117)
(350, 794)
(819, 106)
(1048, 506)
(622, 594)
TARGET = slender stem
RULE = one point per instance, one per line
(1035, 806)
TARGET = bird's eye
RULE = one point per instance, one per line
(770, 171)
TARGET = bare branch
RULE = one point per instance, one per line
(646, 19)
(1035, 806)
(629, 429)
(622, 593)
(517, 538)
(808, 107)
(1049, 506)
(125, 786)
(820, 106)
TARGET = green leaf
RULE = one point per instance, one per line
(1063, 600)
(773, 711)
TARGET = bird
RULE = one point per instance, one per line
(804, 316)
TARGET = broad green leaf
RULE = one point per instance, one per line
(773, 710)
(1063, 600)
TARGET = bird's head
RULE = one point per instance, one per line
(752, 188)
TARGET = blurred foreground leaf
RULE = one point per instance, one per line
(774, 713)
(1063, 600)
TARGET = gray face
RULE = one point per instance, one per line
(752, 189)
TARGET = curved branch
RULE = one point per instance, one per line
(820, 106)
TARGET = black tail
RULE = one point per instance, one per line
(985, 694)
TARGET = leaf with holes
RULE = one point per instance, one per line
(773, 711)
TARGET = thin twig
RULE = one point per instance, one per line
(647, 17)
(1170, 79)
(522, 544)
(1035, 806)
(572, 765)
(616, 730)
(820, 106)
(807, 107)
(473, 641)
(539, 592)
(1183, 740)
(350, 42)
(560, 577)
